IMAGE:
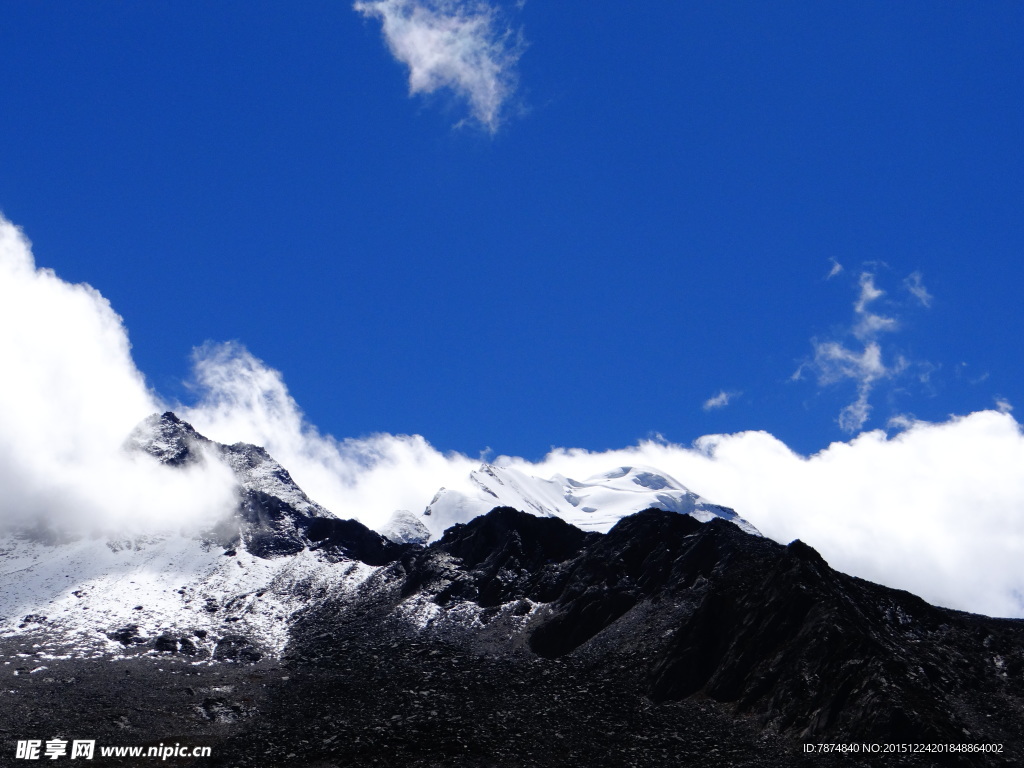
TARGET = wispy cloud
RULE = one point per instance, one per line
(901, 421)
(837, 269)
(452, 44)
(869, 323)
(720, 400)
(916, 287)
(1003, 405)
(859, 359)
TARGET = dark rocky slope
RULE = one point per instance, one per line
(667, 613)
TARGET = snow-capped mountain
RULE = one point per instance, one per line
(247, 573)
(594, 504)
(241, 576)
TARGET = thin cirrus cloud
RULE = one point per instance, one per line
(933, 509)
(858, 354)
(721, 400)
(918, 291)
(452, 44)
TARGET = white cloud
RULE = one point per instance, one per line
(935, 509)
(837, 269)
(869, 324)
(916, 287)
(901, 421)
(720, 400)
(69, 396)
(862, 361)
(1003, 405)
(453, 44)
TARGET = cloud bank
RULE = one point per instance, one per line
(69, 396)
(452, 44)
(937, 509)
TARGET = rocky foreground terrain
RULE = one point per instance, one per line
(513, 640)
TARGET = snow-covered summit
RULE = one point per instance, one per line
(594, 504)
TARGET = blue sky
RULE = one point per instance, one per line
(649, 219)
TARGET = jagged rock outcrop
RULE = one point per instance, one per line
(503, 556)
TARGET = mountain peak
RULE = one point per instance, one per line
(593, 504)
(168, 439)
